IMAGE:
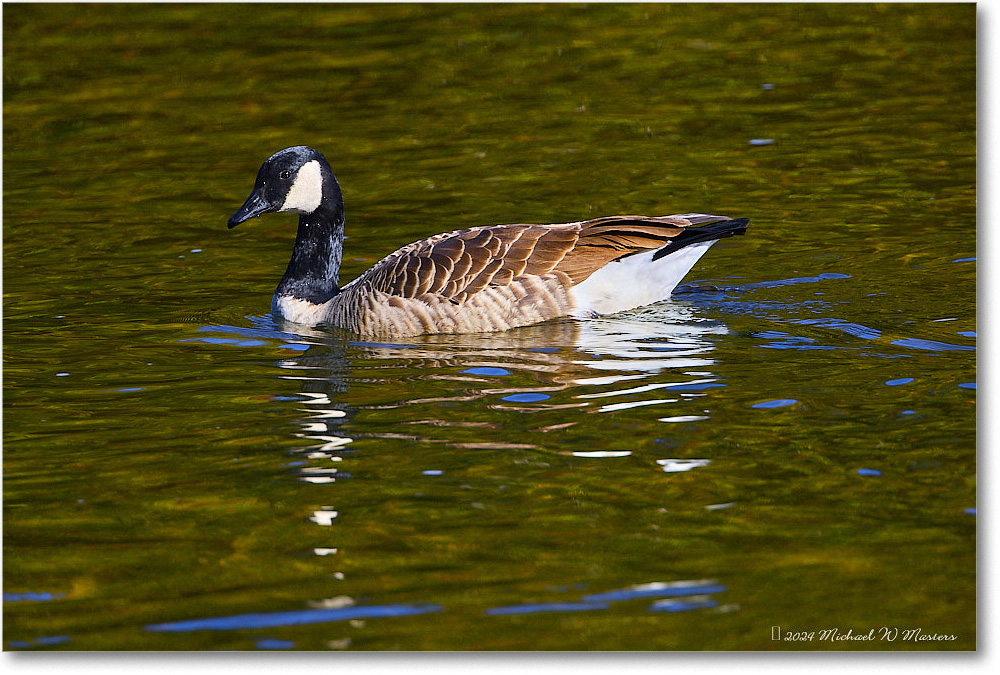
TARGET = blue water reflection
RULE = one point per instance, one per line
(931, 345)
(682, 605)
(295, 617)
(526, 398)
(695, 593)
(776, 283)
(43, 596)
(777, 403)
(672, 589)
(855, 329)
(47, 641)
(487, 371)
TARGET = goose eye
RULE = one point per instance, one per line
(285, 175)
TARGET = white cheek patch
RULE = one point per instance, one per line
(307, 190)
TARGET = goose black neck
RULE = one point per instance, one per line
(313, 272)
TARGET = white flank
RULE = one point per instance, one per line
(296, 310)
(635, 281)
(307, 190)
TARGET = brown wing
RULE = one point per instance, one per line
(459, 264)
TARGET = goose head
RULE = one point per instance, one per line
(294, 180)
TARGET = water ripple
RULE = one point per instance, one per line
(295, 617)
(539, 607)
(659, 589)
(931, 345)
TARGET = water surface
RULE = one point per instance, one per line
(789, 442)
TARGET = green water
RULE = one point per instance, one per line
(172, 454)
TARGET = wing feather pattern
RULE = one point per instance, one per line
(458, 265)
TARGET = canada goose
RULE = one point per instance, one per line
(476, 280)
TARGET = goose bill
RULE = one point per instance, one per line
(254, 206)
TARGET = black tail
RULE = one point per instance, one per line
(711, 232)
